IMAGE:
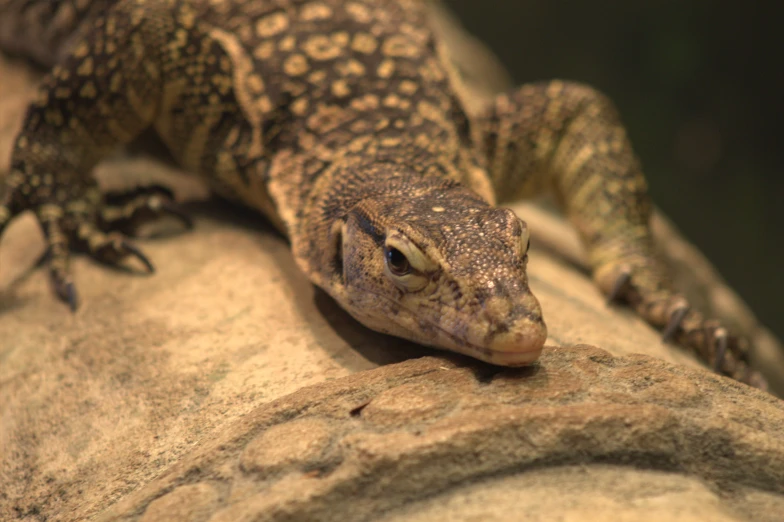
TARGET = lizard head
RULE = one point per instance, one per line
(445, 270)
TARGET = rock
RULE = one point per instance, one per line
(583, 432)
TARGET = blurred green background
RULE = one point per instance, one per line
(700, 86)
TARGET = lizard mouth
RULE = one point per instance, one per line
(519, 346)
(519, 349)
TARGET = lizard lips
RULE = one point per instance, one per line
(519, 346)
(514, 331)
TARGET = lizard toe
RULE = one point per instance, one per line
(130, 212)
(720, 349)
(620, 286)
(675, 322)
(112, 249)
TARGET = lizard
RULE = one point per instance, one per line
(344, 123)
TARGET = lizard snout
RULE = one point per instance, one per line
(518, 339)
(519, 346)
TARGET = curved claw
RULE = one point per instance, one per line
(674, 323)
(173, 210)
(65, 290)
(620, 284)
(71, 297)
(721, 349)
(139, 255)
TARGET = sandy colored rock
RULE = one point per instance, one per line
(225, 387)
(191, 503)
(632, 438)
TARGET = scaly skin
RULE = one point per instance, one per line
(342, 122)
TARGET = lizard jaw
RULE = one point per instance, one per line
(520, 346)
(519, 352)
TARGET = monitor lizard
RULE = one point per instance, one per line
(344, 123)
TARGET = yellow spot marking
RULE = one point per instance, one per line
(408, 87)
(265, 104)
(399, 46)
(360, 127)
(86, 67)
(340, 88)
(350, 68)
(554, 89)
(187, 18)
(315, 11)
(358, 144)
(300, 106)
(255, 83)
(386, 68)
(340, 38)
(307, 140)
(55, 117)
(287, 43)
(81, 50)
(321, 47)
(391, 100)
(358, 12)
(327, 118)
(317, 77)
(88, 90)
(272, 24)
(429, 111)
(367, 102)
(438, 209)
(48, 212)
(265, 50)
(431, 71)
(295, 65)
(364, 43)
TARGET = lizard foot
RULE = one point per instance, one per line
(664, 309)
(130, 211)
(89, 222)
(71, 233)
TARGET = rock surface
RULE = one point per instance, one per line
(583, 430)
(252, 396)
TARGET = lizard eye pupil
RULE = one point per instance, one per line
(397, 261)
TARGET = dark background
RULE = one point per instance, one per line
(700, 86)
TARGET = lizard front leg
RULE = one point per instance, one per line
(568, 138)
(103, 93)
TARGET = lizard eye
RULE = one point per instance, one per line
(406, 264)
(397, 261)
